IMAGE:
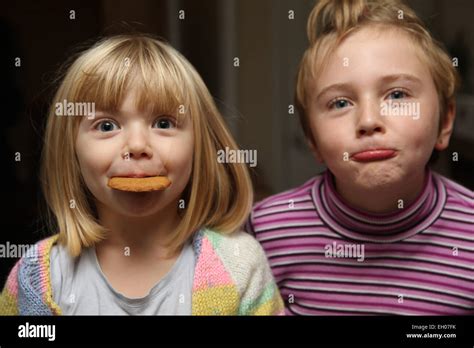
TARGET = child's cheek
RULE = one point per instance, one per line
(420, 133)
(331, 139)
(177, 158)
(94, 162)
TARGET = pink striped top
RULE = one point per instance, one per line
(331, 259)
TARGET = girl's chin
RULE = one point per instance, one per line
(138, 204)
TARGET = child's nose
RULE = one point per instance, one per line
(369, 120)
(138, 145)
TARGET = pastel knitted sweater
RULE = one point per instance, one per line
(231, 277)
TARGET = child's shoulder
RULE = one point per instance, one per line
(457, 194)
(39, 253)
(236, 265)
(295, 195)
(29, 276)
(35, 262)
(240, 254)
(237, 246)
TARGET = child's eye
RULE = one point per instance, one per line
(164, 122)
(106, 126)
(397, 95)
(338, 103)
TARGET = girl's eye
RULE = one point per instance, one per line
(164, 123)
(339, 103)
(106, 126)
(397, 95)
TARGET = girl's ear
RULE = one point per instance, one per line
(446, 128)
(314, 149)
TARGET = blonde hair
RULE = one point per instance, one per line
(331, 21)
(217, 196)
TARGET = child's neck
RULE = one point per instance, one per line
(134, 256)
(141, 234)
(382, 200)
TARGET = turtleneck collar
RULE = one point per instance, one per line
(391, 227)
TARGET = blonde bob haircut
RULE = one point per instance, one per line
(331, 21)
(217, 196)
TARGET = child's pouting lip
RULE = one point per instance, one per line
(374, 154)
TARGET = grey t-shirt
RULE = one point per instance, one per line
(80, 288)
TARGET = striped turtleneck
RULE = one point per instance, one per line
(330, 258)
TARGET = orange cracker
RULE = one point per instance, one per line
(153, 183)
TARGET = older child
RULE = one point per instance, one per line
(169, 251)
(378, 232)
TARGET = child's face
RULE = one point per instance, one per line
(131, 142)
(375, 93)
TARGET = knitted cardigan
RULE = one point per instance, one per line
(231, 277)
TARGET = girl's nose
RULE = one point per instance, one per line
(369, 120)
(137, 145)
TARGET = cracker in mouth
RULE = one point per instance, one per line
(146, 184)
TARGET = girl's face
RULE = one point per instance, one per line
(374, 110)
(132, 143)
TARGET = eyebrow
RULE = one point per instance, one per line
(103, 113)
(384, 80)
(110, 113)
(397, 77)
(336, 87)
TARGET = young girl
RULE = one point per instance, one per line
(131, 108)
(378, 232)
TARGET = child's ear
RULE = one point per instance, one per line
(446, 128)
(314, 149)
